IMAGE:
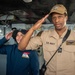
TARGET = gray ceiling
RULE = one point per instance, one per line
(30, 12)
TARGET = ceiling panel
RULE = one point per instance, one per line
(30, 12)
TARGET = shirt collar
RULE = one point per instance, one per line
(55, 35)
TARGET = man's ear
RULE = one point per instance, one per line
(66, 18)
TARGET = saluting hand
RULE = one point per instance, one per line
(38, 24)
(8, 35)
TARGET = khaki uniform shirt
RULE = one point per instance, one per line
(62, 63)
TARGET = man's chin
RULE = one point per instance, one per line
(58, 29)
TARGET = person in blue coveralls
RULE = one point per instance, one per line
(19, 62)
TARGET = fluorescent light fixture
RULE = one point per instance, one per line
(27, 1)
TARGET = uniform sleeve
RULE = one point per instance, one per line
(2, 46)
(2, 41)
(34, 63)
(34, 43)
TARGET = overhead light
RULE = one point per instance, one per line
(27, 1)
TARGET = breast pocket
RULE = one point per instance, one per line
(49, 47)
(69, 51)
(69, 47)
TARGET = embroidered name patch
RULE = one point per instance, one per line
(50, 43)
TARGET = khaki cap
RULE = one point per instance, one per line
(58, 8)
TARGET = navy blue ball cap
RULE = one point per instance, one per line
(23, 31)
